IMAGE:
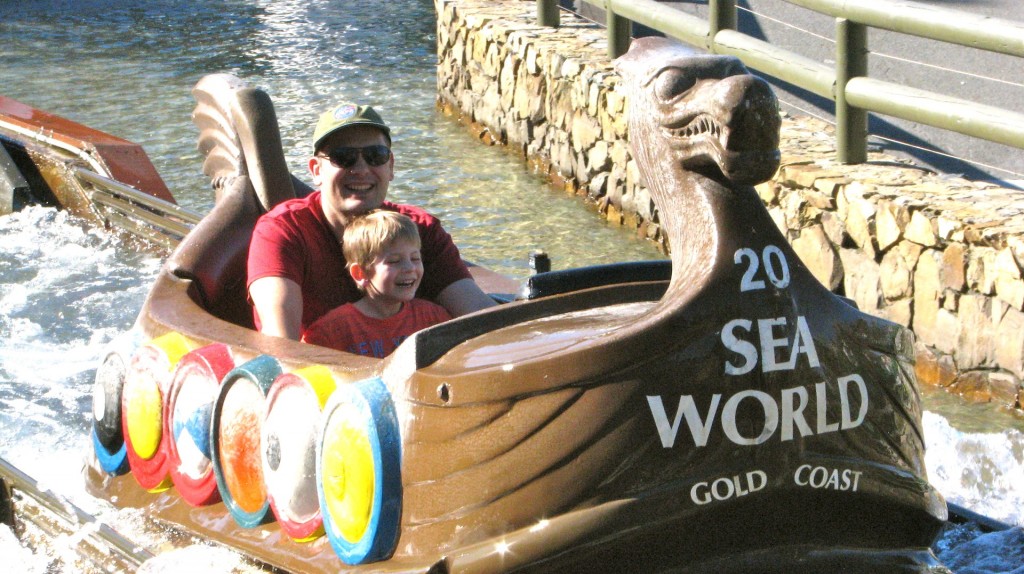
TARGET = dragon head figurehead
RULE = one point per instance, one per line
(703, 113)
(703, 131)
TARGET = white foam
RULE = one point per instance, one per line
(67, 290)
(191, 559)
(981, 471)
(17, 558)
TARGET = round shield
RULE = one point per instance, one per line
(188, 411)
(235, 439)
(290, 431)
(358, 471)
(145, 385)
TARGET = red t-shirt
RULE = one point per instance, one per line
(295, 242)
(347, 329)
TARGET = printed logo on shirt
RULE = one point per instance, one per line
(375, 348)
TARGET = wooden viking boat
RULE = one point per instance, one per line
(723, 413)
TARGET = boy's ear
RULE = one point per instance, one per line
(358, 273)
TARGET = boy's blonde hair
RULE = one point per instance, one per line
(366, 237)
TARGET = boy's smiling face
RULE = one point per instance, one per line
(395, 274)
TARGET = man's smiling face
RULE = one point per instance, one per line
(357, 189)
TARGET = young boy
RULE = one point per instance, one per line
(382, 251)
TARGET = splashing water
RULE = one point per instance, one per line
(981, 471)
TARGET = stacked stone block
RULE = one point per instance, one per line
(938, 254)
(550, 94)
(941, 255)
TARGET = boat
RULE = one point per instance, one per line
(723, 411)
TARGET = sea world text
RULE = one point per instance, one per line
(765, 343)
(787, 417)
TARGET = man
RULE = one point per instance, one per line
(296, 266)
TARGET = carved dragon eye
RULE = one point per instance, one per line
(673, 82)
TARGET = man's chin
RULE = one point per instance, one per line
(360, 206)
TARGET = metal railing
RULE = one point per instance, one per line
(123, 207)
(113, 551)
(847, 84)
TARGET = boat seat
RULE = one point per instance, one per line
(567, 280)
(214, 254)
(548, 294)
(434, 342)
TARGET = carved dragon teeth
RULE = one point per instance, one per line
(701, 125)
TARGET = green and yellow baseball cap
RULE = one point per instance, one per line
(345, 115)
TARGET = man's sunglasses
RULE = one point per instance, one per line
(346, 157)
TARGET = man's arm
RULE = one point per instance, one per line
(462, 297)
(278, 301)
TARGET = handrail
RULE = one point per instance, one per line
(74, 516)
(165, 208)
(847, 83)
(153, 219)
(926, 21)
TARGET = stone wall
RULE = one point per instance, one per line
(941, 255)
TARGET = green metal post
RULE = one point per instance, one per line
(721, 16)
(619, 31)
(547, 13)
(851, 62)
